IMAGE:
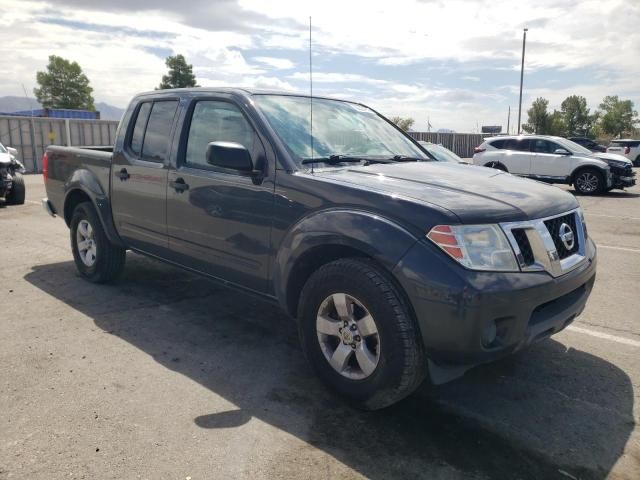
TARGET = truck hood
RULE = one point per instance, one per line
(474, 194)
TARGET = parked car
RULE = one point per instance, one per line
(589, 144)
(394, 266)
(556, 160)
(627, 147)
(440, 153)
(12, 186)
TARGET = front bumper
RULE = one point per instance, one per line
(623, 177)
(455, 307)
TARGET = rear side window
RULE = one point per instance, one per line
(157, 136)
(138, 129)
(518, 145)
(498, 144)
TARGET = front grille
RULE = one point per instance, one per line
(523, 244)
(626, 171)
(554, 224)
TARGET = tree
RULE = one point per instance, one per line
(576, 116)
(617, 116)
(63, 85)
(538, 120)
(556, 124)
(404, 123)
(180, 74)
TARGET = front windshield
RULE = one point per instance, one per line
(441, 153)
(2, 149)
(574, 147)
(339, 128)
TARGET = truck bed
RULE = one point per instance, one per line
(67, 164)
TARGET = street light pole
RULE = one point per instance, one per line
(524, 42)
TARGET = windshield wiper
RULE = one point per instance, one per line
(404, 158)
(334, 159)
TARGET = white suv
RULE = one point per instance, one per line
(556, 160)
(627, 147)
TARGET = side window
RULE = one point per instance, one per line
(138, 128)
(518, 145)
(543, 146)
(157, 136)
(215, 121)
(498, 144)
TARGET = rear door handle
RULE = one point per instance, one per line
(123, 175)
(179, 184)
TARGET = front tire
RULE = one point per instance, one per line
(96, 258)
(589, 181)
(359, 335)
(18, 190)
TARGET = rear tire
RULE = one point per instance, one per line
(589, 181)
(96, 258)
(384, 361)
(18, 190)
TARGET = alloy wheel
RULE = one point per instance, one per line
(348, 336)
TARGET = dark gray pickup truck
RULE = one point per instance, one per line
(396, 267)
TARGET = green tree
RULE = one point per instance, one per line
(180, 74)
(538, 117)
(556, 124)
(63, 85)
(404, 123)
(576, 116)
(617, 116)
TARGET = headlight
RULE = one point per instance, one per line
(478, 247)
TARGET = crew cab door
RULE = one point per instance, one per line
(219, 220)
(546, 163)
(139, 177)
(516, 156)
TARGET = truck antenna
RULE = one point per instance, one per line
(310, 94)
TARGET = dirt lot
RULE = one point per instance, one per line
(167, 375)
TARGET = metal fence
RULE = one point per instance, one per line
(462, 144)
(30, 136)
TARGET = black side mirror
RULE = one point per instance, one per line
(229, 155)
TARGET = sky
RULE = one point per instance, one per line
(454, 64)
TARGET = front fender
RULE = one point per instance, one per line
(85, 181)
(367, 232)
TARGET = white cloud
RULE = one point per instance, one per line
(275, 62)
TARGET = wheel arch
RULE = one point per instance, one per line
(582, 168)
(497, 165)
(330, 235)
(84, 187)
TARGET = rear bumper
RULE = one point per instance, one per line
(455, 308)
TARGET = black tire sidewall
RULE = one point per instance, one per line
(17, 194)
(391, 366)
(85, 211)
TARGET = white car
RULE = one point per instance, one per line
(556, 160)
(627, 147)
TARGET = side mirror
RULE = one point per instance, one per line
(562, 151)
(12, 151)
(229, 155)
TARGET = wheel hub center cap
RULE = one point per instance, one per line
(347, 335)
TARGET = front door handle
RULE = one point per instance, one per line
(123, 175)
(179, 184)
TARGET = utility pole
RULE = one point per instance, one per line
(524, 42)
(508, 119)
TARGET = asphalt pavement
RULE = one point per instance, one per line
(168, 375)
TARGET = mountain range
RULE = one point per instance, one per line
(16, 104)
